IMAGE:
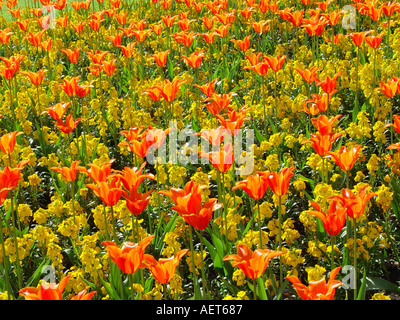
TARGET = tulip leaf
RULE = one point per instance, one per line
(363, 288)
(375, 283)
(259, 136)
(261, 293)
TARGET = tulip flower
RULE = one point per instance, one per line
(208, 89)
(194, 60)
(252, 263)
(333, 220)
(309, 75)
(68, 125)
(254, 186)
(73, 55)
(324, 125)
(317, 290)
(51, 291)
(234, 121)
(345, 158)
(328, 85)
(8, 141)
(99, 173)
(128, 258)
(278, 181)
(189, 205)
(161, 58)
(109, 192)
(70, 173)
(221, 160)
(322, 143)
(355, 204)
(36, 78)
(164, 269)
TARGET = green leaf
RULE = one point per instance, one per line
(259, 136)
(375, 283)
(261, 293)
(363, 288)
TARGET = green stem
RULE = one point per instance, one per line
(202, 265)
(355, 256)
(5, 266)
(193, 264)
(280, 238)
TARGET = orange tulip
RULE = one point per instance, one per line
(221, 160)
(131, 178)
(333, 220)
(109, 192)
(275, 63)
(35, 77)
(278, 181)
(51, 291)
(389, 89)
(358, 38)
(260, 68)
(253, 264)
(319, 103)
(254, 186)
(328, 85)
(246, 12)
(73, 55)
(322, 143)
(109, 67)
(128, 49)
(97, 56)
(161, 57)
(35, 38)
(234, 121)
(168, 20)
(324, 124)
(46, 45)
(214, 136)
(208, 89)
(78, 27)
(396, 124)
(219, 102)
(164, 269)
(244, 44)
(128, 258)
(345, 158)
(70, 173)
(136, 201)
(374, 41)
(9, 179)
(82, 295)
(99, 173)
(260, 26)
(222, 31)
(309, 75)
(23, 24)
(8, 141)
(317, 290)
(5, 35)
(190, 207)
(69, 125)
(355, 204)
(58, 110)
(194, 60)
(169, 89)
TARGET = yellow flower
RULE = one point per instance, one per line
(380, 296)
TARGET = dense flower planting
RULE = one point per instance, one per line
(288, 187)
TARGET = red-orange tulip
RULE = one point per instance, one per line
(324, 125)
(69, 125)
(355, 204)
(194, 60)
(253, 264)
(164, 269)
(221, 160)
(109, 192)
(161, 57)
(317, 290)
(35, 77)
(278, 181)
(345, 158)
(51, 291)
(255, 186)
(190, 207)
(333, 220)
(70, 173)
(322, 143)
(8, 141)
(129, 258)
(73, 55)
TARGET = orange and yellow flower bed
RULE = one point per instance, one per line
(199, 150)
